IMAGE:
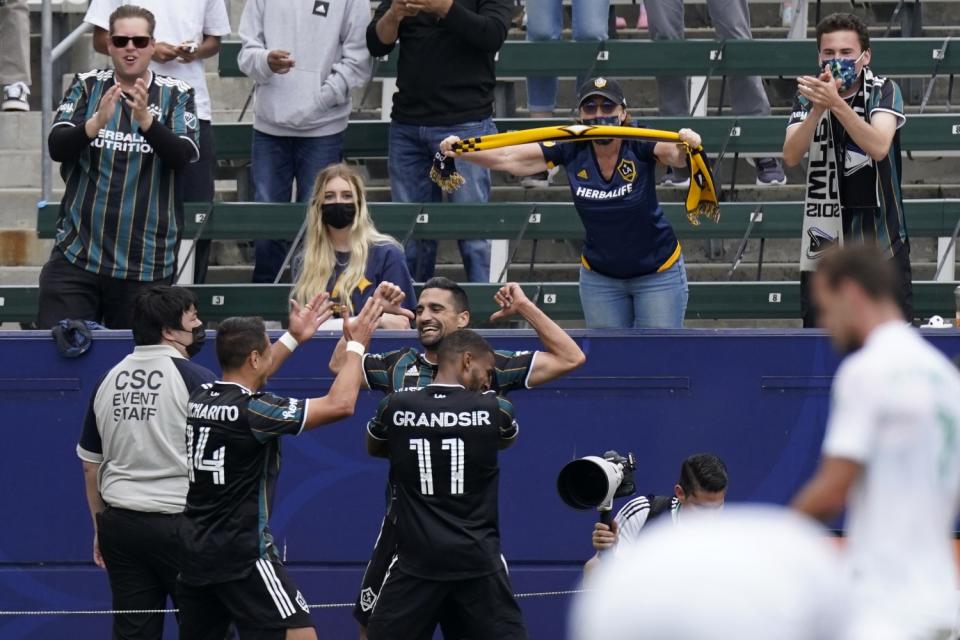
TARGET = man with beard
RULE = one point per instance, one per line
(443, 308)
(892, 439)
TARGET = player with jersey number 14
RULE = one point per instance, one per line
(230, 570)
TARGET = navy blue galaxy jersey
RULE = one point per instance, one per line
(233, 457)
(443, 445)
(119, 216)
(627, 234)
(407, 368)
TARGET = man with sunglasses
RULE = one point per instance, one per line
(188, 32)
(123, 136)
(632, 273)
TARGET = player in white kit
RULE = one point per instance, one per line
(891, 455)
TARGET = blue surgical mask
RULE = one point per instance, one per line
(606, 121)
(844, 70)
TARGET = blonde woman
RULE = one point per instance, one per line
(345, 255)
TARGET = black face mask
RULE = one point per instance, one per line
(199, 337)
(338, 215)
(609, 121)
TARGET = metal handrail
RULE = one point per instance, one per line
(48, 55)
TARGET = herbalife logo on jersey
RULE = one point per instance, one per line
(120, 141)
(604, 194)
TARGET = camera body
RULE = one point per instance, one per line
(593, 482)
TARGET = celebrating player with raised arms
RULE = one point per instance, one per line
(443, 441)
(230, 570)
(442, 310)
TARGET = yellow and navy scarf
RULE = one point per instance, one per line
(701, 196)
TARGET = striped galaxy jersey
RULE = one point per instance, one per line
(119, 216)
(233, 461)
(408, 368)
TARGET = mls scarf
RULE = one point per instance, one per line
(701, 197)
(822, 219)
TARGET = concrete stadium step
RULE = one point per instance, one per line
(22, 169)
(18, 206)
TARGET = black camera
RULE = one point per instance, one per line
(593, 482)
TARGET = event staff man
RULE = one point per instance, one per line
(133, 448)
(122, 136)
(230, 570)
(892, 439)
(442, 310)
(443, 441)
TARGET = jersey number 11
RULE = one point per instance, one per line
(422, 448)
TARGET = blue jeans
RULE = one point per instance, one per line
(278, 161)
(412, 148)
(654, 301)
(545, 22)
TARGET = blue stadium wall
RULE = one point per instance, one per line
(758, 399)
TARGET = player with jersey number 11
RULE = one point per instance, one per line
(442, 441)
(230, 570)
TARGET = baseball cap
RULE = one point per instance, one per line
(600, 86)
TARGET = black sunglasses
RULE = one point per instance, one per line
(140, 42)
(592, 107)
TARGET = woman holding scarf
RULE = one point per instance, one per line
(632, 273)
(847, 120)
(345, 255)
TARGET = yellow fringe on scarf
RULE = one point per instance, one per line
(701, 197)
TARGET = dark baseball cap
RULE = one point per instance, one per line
(600, 86)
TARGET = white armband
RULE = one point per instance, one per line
(289, 341)
(356, 348)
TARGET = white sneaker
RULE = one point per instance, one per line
(16, 97)
(539, 180)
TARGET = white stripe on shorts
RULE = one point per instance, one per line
(275, 588)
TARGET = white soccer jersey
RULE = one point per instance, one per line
(896, 410)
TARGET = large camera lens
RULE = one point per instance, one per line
(583, 484)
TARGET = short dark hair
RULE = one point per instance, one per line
(237, 338)
(462, 341)
(703, 472)
(461, 302)
(844, 22)
(158, 308)
(864, 265)
(125, 11)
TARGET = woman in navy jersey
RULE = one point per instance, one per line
(631, 273)
(345, 255)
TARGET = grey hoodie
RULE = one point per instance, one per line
(327, 40)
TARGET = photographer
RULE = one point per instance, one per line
(702, 485)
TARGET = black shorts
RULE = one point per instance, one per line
(383, 552)
(262, 606)
(409, 608)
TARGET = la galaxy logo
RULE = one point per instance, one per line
(627, 170)
(600, 83)
(367, 599)
(189, 119)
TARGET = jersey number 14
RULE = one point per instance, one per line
(196, 461)
(421, 446)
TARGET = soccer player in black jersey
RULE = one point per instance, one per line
(229, 568)
(443, 441)
(443, 309)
